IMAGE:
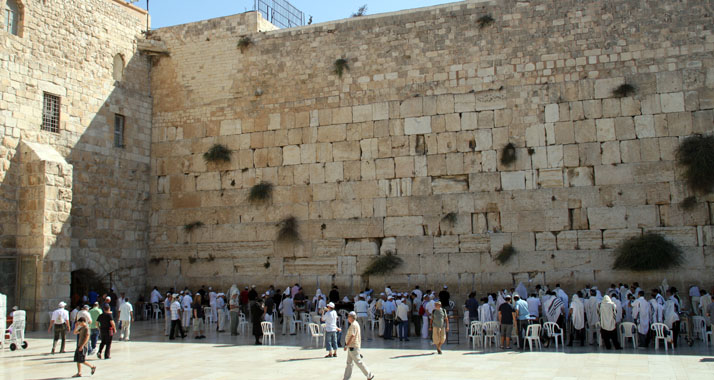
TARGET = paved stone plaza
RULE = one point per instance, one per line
(151, 355)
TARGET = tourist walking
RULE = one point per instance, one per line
(353, 344)
(60, 323)
(506, 315)
(329, 316)
(439, 326)
(126, 317)
(84, 313)
(80, 354)
(94, 312)
(107, 328)
(175, 312)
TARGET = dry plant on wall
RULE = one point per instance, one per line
(696, 155)
(450, 218)
(244, 43)
(484, 21)
(288, 232)
(647, 252)
(218, 153)
(508, 155)
(361, 11)
(624, 90)
(505, 254)
(192, 226)
(340, 66)
(688, 203)
(261, 192)
(383, 264)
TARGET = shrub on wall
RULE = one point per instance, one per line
(192, 226)
(647, 252)
(450, 218)
(218, 153)
(484, 21)
(624, 90)
(505, 254)
(696, 155)
(288, 232)
(508, 155)
(383, 264)
(244, 43)
(340, 66)
(261, 192)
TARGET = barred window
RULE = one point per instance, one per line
(118, 130)
(51, 113)
(12, 17)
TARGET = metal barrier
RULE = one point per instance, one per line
(280, 13)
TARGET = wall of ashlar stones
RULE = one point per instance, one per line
(372, 162)
(67, 48)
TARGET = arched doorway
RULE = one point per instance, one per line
(84, 281)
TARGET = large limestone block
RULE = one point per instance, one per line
(361, 247)
(478, 243)
(208, 181)
(548, 178)
(607, 217)
(567, 240)
(469, 121)
(412, 107)
(642, 216)
(682, 236)
(644, 126)
(604, 87)
(585, 131)
(346, 151)
(552, 114)
(354, 228)
(415, 245)
(417, 125)
(672, 102)
(450, 184)
(513, 180)
(403, 226)
(581, 176)
(332, 133)
(545, 241)
(590, 239)
(614, 237)
(605, 129)
(535, 135)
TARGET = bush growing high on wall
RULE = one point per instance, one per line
(647, 252)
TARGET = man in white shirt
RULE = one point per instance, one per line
(186, 302)
(175, 312)
(694, 298)
(167, 313)
(418, 294)
(485, 311)
(126, 317)
(534, 305)
(155, 296)
(287, 308)
(329, 316)
(362, 311)
(403, 320)
(60, 323)
(641, 312)
(84, 313)
(212, 295)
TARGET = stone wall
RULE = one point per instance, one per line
(373, 161)
(68, 48)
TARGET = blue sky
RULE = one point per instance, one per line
(173, 12)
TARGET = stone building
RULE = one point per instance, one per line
(400, 154)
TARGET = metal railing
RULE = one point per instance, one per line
(280, 13)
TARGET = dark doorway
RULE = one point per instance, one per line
(84, 281)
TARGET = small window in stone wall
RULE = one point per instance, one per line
(118, 130)
(51, 113)
(118, 71)
(11, 17)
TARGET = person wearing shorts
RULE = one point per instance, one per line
(439, 326)
(506, 316)
(80, 354)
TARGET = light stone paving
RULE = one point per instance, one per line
(151, 355)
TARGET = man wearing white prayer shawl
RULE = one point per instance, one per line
(627, 308)
(485, 311)
(671, 317)
(618, 308)
(641, 312)
(522, 291)
(563, 297)
(591, 317)
(608, 323)
(577, 318)
(657, 310)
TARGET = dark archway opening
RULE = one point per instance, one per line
(83, 282)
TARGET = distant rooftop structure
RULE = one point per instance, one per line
(280, 13)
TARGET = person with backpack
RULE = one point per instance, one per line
(439, 326)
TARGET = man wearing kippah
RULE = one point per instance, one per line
(353, 343)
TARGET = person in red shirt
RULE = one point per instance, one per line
(244, 301)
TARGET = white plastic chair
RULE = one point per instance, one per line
(305, 322)
(242, 323)
(699, 327)
(268, 333)
(475, 333)
(554, 331)
(533, 335)
(316, 333)
(661, 331)
(157, 310)
(372, 320)
(598, 332)
(490, 333)
(628, 330)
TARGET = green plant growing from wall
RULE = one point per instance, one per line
(340, 66)
(288, 232)
(155, 260)
(261, 192)
(508, 155)
(688, 203)
(450, 218)
(192, 226)
(361, 11)
(505, 254)
(647, 252)
(484, 21)
(696, 155)
(624, 90)
(218, 153)
(266, 264)
(244, 43)
(192, 259)
(383, 264)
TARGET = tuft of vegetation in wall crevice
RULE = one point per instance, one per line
(646, 253)
(508, 155)
(383, 264)
(261, 192)
(288, 231)
(218, 153)
(505, 254)
(340, 66)
(696, 155)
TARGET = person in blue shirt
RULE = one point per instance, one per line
(389, 309)
(472, 307)
(93, 297)
(522, 314)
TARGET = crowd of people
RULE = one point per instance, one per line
(401, 314)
